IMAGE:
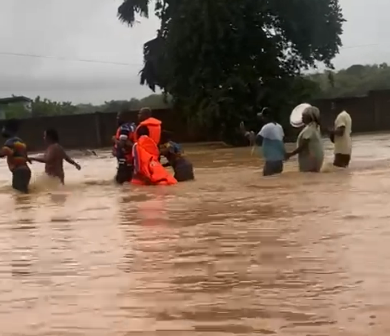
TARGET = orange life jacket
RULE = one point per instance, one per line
(128, 154)
(147, 168)
(154, 127)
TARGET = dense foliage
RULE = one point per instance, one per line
(357, 80)
(221, 60)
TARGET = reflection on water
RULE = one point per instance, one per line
(232, 253)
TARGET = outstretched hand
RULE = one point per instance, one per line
(252, 138)
(287, 156)
(78, 167)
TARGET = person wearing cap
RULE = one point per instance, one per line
(309, 148)
(341, 137)
(270, 138)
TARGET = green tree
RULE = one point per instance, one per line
(220, 60)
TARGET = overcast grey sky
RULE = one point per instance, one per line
(89, 29)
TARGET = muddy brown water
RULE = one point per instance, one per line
(232, 253)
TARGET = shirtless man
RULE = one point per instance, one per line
(54, 156)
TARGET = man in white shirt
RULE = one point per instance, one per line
(341, 137)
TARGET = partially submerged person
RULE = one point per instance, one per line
(341, 137)
(154, 125)
(147, 168)
(270, 138)
(15, 150)
(182, 167)
(309, 149)
(54, 156)
(123, 146)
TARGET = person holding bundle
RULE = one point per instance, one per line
(309, 148)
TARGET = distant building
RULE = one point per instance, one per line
(23, 104)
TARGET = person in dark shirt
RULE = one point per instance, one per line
(15, 150)
(123, 144)
(180, 164)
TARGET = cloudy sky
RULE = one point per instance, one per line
(89, 30)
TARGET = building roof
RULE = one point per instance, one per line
(15, 99)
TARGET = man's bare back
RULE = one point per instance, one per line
(54, 157)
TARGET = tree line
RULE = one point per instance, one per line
(46, 107)
(357, 80)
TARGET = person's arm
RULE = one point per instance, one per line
(339, 131)
(249, 135)
(68, 159)
(168, 152)
(37, 159)
(303, 144)
(259, 140)
(40, 158)
(6, 151)
(339, 127)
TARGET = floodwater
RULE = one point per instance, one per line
(232, 253)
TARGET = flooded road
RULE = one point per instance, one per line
(232, 253)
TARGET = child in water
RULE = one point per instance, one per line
(172, 151)
(54, 156)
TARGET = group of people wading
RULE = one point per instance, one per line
(138, 150)
(309, 146)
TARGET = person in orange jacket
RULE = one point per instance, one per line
(154, 125)
(147, 168)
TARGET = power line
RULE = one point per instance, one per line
(360, 46)
(60, 58)
(68, 59)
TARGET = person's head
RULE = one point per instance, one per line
(51, 136)
(142, 130)
(10, 128)
(120, 118)
(266, 115)
(144, 113)
(311, 114)
(166, 136)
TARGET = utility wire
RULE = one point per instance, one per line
(60, 58)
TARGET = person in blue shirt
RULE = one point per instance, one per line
(271, 139)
